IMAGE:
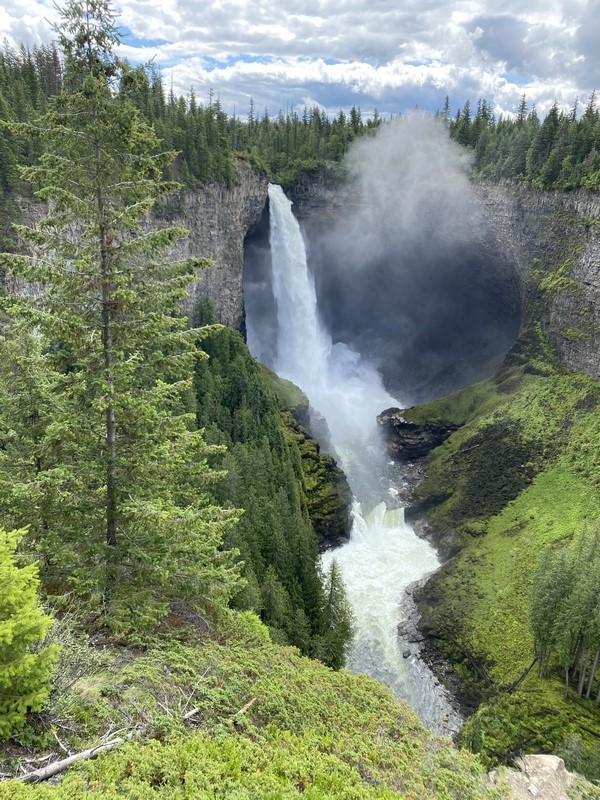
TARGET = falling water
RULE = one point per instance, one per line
(384, 555)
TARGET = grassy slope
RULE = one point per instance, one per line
(309, 731)
(521, 474)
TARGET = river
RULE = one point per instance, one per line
(384, 555)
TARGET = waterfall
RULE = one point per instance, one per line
(384, 554)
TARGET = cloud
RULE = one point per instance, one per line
(389, 54)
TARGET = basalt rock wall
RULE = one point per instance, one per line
(552, 240)
(218, 219)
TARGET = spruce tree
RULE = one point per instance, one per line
(338, 620)
(24, 672)
(124, 518)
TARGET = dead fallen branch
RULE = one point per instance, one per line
(44, 773)
(245, 708)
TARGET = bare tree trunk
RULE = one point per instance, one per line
(107, 347)
(521, 677)
(593, 673)
(583, 660)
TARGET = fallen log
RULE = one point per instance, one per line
(44, 773)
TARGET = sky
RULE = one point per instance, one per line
(392, 55)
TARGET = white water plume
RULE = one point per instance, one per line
(384, 554)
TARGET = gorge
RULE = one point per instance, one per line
(532, 274)
(384, 555)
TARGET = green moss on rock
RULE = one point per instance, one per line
(326, 490)
(522, 473)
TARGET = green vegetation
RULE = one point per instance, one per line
(289, 491)
(565, 611)
(520, 475)
(262, 722)
(100, 460)
(560, 152)
(24, 675)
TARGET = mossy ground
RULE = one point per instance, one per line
(268, 723)
(521, 474)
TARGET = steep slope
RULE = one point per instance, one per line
(522, 472)
(261, 722)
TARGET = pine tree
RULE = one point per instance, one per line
(125, 517)
(25, 673)
(338, 620)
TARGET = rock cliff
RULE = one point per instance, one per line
(542, 248)
(218, 218)
(410, 441)
(553, 241)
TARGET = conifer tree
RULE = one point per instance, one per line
(338, 620)
(124, 517)
(24, 673)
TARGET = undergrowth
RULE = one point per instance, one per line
(227, 713)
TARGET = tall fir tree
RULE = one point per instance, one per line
(123, 517)
(338, 620)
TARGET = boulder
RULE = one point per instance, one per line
(410, 441)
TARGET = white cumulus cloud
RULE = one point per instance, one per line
(389, 54)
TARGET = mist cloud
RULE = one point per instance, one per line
(402, 272)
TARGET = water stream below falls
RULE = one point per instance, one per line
(384, 555)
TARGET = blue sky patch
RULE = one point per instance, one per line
(518, 80)
(133, 41)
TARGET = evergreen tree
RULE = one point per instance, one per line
(25, 672)
(565, 611)
(125, 517)
(338, 620)
(552, 584)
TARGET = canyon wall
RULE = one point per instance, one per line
(552, 239)
(218, 218)
(542, 249)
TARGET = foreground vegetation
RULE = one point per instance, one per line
(113, 432)
(261, 722)
(519, 476)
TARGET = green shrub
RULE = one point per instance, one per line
(24, 673)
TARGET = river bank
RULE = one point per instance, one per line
(519, 473)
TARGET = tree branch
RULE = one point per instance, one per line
(43, 774)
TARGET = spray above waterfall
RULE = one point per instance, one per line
(406, 272)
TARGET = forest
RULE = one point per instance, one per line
(560, 151)
(161, 509)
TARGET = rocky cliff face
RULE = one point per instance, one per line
(218, 219)
(410, 441)
(553, 241)
(542, 249)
